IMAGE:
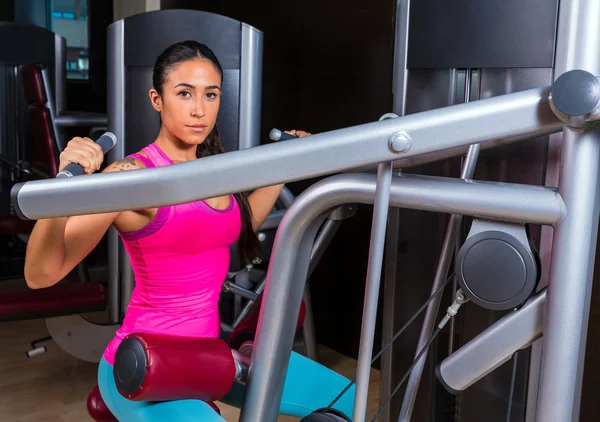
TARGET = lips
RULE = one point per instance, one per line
(197, 128)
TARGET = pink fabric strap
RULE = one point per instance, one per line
(145, 160)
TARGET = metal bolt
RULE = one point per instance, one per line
(262, 237)
(399, 142)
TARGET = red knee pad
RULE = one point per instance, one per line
(157, 367)
(246, 329)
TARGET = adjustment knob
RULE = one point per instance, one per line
(576, 96)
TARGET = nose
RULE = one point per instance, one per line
(198, 110)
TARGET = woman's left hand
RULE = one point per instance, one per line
(298, 133)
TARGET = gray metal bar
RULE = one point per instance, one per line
(369, 317)
(238, 290)
(571, 279)
(429, 322)
(287, 197)
(545, 253)
(322, 241)
(25, 170)
(242, 283)
(401, 56)
(493, 347)
(116, 124)
(487, 200)
(492, 122)
(573, 255)
(60, 144)
(389, 302)
(288, 268)
(273, 219)
(308, 327)
(60, 89)
(399, 84)
(250, 86)
(248, 305)
(452, 100)
(81, 119)
(324, 238)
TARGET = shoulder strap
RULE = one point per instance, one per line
(148, 163)
(157, 157)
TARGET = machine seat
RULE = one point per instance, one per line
(58, 300)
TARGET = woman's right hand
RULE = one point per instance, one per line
(82, 151)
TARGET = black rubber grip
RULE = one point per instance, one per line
(279, 135)
(106, 141)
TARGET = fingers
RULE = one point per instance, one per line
(298, 133)
(82, 151)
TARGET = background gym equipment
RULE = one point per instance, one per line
(569, 208)
(488, 122)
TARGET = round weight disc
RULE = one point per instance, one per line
(496, 271)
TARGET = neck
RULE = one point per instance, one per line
(174, 148)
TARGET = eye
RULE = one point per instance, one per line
(185, 94)
(211, 95)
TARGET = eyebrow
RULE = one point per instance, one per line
(193, 87)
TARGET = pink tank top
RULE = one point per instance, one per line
(180, 261)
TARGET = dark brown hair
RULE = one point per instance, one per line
(248, 244)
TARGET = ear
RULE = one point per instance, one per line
(155, 100)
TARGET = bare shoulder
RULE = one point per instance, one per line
(127, 163)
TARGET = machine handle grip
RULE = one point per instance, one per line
(279, 135)
(107, 141)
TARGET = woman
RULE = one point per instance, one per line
(179, 254)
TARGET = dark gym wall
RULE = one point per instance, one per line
(327, 65)
(7, 11)
(90, 95)
(100, 15)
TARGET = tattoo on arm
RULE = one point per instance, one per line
(125, 164)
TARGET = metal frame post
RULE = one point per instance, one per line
(273, 343)
(573, 254)
(446, 255)
(369, 317)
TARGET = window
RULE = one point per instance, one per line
(70, 20)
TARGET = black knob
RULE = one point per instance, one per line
(576, 93)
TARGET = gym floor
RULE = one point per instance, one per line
(53, 387)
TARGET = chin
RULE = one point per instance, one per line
(193, 140)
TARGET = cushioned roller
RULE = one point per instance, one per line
(156, 367)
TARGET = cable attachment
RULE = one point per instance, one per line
(452, 310)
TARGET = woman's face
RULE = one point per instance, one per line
(190, 100)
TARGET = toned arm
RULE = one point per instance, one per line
(57, 245)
